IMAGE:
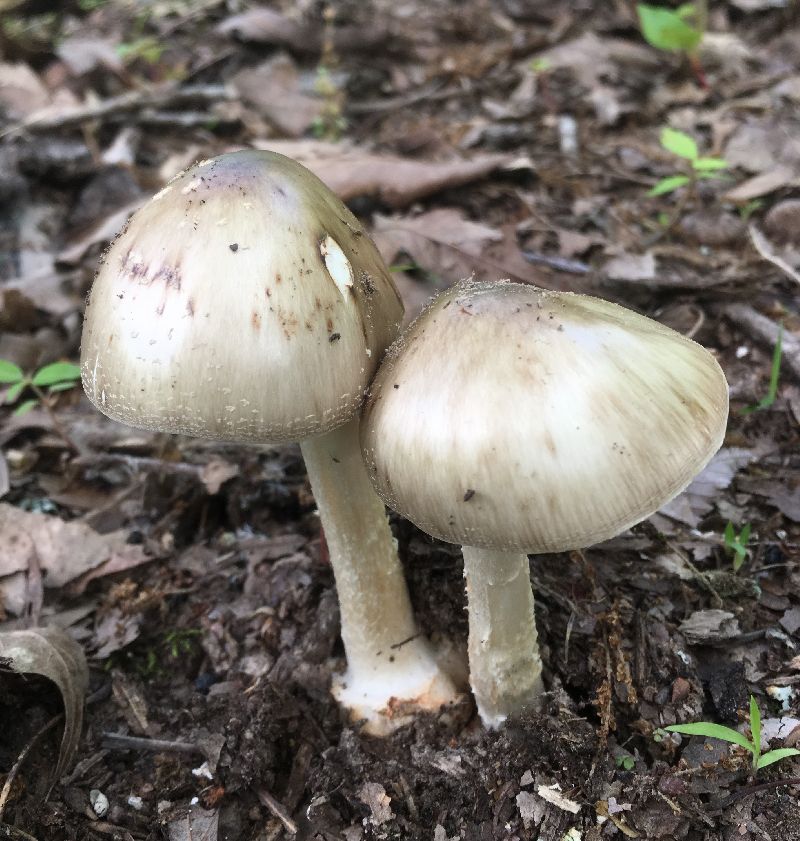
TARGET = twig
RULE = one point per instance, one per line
(119, 741)
(12, 774)
(765, 331)
(277, 810)
(44, 399)
(744, 791)
(137, 463)
(168, 96)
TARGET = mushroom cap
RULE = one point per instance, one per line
(509, 417)
(243, 302)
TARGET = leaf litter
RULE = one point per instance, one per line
(518, 144)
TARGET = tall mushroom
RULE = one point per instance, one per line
(245, 303)
(514, 420)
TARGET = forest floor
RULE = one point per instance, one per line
(501, 139)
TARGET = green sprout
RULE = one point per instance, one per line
(727, 734)
(683, 146)
(736, 544)
(625, 762)
(674, 30)
(774, 378)
(58, 376)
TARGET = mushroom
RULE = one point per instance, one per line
(245, 303)
(514, 420)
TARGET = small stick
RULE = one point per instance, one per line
(126, 103)
(765, 331)
(4, 794)
(277, 810)
(119, 741)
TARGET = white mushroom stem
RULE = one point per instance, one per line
(504, 662)
(392, 672)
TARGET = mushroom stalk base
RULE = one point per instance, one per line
(504, 662)
(392, 672)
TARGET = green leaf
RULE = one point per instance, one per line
(775, 756)
(65, 386)
(774, 377)
(755, 728)
(667, 30)
(744, 534)
(712, 731)
(57, 372)
(9, 372)
(709, 164)
(668, 185)
(25, 407)
(679, 143)
(14, 392)
(729, 535)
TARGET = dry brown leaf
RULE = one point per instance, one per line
(352, 172)
(762, 145)
(631, 267)
(266, 26)
(766, 250)
(216, 473)
(21, 90)
(374, 795)
(84, 53)
(274, 88)
(100, 234)
(53, 653)
(763, 184)
(64, 550)
(701, 495)
(592, 59)
(198, 825)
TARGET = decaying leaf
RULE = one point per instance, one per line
(631, 267)
(64, 550)
(54, 654)
(706, 627)
(351, 171)
(277, 91)
(198, 825)
(374, 795)
(701, 495)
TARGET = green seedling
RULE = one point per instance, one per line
(727, 734)
(684, 147)
(736, 544)
(625, 762)
(676, 30)
(180, 642)
(58, 376)
(774, 378)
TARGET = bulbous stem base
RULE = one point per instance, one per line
(391, 671)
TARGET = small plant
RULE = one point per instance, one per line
(728, 734)
(58, 376)
(684, 147)
(774, 378)
(676, 30)
(736, 544)
(625, 762)
(180, 642)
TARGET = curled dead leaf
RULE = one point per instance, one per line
(52, 653)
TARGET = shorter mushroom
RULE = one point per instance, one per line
(514, 420)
